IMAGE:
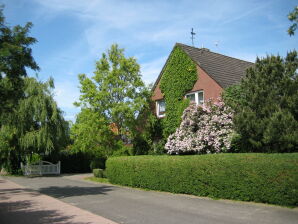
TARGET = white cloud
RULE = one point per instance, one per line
(147, 29)
(150, 70)
(66, 93)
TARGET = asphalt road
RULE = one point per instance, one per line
(132, 206)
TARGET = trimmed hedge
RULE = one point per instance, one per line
(98, 173)
(266, 178)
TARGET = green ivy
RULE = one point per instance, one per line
(179, 76)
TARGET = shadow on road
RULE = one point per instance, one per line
(70, 191)
(12, 212)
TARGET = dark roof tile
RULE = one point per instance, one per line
(225, 70)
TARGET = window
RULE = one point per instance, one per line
(197, 97)
(160, 108)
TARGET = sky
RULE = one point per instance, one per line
(73, 34)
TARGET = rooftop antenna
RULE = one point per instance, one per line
(192, 36)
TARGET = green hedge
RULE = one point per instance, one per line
(267, 178)
(98, 173)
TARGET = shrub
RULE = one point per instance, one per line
(98, 162)
(265, 104)
(206, 129)
(148, 135)
(98, 173)
(267, 178)
(125, 150)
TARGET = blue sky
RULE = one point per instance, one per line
(72, 34)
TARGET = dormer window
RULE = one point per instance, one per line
(197, 97)
(160, 108)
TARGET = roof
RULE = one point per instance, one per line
(225, 70)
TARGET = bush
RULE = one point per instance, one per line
(204, 129)
(265, 104)
(98, 162)
(266, 178)
(125, 150)
(98, 173)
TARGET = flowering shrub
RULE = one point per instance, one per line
(204, 129)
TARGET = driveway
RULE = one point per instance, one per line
(132, 206)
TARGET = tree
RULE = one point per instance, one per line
(267, 115)
(293, 17)
(30, 121)
(92, 134)
(37, 126)
(114, 96)
(15, 58)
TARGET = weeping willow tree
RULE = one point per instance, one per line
(37, 126)
(30, 122)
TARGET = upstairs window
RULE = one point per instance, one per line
(197, 97)
(160, 108)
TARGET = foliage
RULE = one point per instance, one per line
(148, 133)
(37, 127)
(30, 121)
(98, 180)
(232, 95)
(98, 173)
(293, 17)
(178, 76)
(98, 162)
(15, 58)
(115, 92)
(206, 129)
(267, 115)
(267, 178)
(92, 134)
(125, 150)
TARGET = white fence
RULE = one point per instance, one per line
(42, 168)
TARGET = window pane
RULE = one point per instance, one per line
(201, 98)
(162, 107)
(191, 97)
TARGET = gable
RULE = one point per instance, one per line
(225, 70)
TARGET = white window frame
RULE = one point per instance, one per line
(158, 109)
(196, 93)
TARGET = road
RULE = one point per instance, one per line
(133, 206)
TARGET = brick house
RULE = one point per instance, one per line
(215, 73)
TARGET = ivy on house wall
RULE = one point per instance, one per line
(179, 76)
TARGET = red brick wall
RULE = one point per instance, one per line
(205, 82)
(157, 94)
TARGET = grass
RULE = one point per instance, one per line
(98, 180)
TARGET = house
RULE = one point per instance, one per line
(215, 73)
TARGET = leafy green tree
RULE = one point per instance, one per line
(267, 114)
(232, 95)
(92, 134)
(15, 57)
(37, 126)
(113, 97)
(293, 17)
(30, 121)
(116, 90)
(148, 134)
